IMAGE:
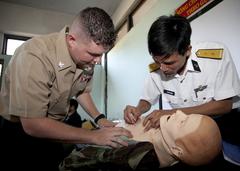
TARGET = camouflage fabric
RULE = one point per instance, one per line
(137, 156)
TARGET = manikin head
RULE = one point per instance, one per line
(193, 139)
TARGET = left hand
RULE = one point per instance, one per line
(106, 123)
(153, 119)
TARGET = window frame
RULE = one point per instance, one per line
(11, 36)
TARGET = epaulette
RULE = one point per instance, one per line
(210, 53)
(153, 67)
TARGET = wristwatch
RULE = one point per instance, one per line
(101, 116)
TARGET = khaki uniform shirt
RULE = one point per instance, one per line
(41, 78)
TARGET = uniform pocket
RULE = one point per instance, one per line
(175, 102)
(203, 96)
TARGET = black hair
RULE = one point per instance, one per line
(74, 103)
(169, 34)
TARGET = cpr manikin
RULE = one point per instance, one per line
(193, 139)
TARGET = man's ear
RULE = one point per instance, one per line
(188, 52)
(70, 39)
(177, 151)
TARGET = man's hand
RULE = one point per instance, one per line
(152, 120)
(131, 114)
(106, 123)
(111, 136)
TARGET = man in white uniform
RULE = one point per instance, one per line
(199, 78)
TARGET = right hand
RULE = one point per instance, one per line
(131, 114)
(111, 136)
(104, 122)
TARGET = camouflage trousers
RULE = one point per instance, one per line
(137, 156)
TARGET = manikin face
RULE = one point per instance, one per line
(84, 51)
(176, 126)
(174, 64)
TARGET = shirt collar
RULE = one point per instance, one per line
(64, 60)
(191, 66)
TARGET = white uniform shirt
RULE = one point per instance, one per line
(203, 80)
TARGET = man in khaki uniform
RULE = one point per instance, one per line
(42, 76)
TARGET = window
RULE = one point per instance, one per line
(11, 43)
(134, 16)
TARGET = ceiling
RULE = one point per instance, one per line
(69, 6)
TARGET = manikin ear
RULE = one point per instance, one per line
(177, 151)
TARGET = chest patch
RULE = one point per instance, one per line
(169, 92)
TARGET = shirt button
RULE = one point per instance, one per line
(185, 100)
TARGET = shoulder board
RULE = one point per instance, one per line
(153, 67)
(210, 53)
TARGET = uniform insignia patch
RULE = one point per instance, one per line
(210, 53)
(169, 92)
(196, 66)
(60, 64)
(153, 67)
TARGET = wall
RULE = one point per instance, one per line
(220, 24)
(128, 61)
(30, 21)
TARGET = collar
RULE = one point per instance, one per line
(191, 66)
(64, 60)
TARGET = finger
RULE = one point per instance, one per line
(127, 119)
(106, 123)
(147, 126)
(122, 132)
(132, 118)
(120, 141)
(156, 124)
(146, 120)
(112, 144)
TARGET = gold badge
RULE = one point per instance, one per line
(210, 53)
(153, 67)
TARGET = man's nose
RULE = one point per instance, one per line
(163, 67)
(97, 60)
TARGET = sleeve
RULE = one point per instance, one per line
(227, 82)
(150, 90)
(88, 88)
